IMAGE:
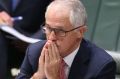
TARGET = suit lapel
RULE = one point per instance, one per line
(80, 63)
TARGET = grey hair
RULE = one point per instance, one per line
(77, 14)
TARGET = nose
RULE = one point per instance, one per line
(52, 36)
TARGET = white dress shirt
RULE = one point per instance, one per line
(69, 60)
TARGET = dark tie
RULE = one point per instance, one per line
(14, 4)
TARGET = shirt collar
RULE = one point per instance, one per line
(69, 59)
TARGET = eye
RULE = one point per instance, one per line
(58, 30)
(48, 28)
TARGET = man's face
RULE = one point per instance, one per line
(59, 19)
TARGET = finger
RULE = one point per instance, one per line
(41, 60)
(6, 18)
(53, 51)
(42, 56)
(46, 57)
(50, 51)
(57, 53)
(45, 46)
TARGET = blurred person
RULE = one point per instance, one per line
(32, 12)
(66, 54)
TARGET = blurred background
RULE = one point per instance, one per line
(104, 23)
(104, 26)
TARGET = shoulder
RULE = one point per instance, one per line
(33, 53)
(100, 60)
(97, 52)
(37, 45)
(35, 49)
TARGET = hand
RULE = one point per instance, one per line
(52, 61)
(40, 72)
(49, 62)
(5, 19)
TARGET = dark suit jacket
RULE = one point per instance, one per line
(32, 12)
(91, 62)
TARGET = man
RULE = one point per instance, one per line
(64, 27)
(32, 12)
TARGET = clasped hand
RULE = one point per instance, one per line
(49, 62)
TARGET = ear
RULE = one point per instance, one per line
(81, 31)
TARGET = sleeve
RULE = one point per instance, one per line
(26, 68)
(108, 71)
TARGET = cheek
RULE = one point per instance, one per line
(63, 47)
(62, 43)
(65, 44)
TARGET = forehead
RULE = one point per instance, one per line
(57, 16)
